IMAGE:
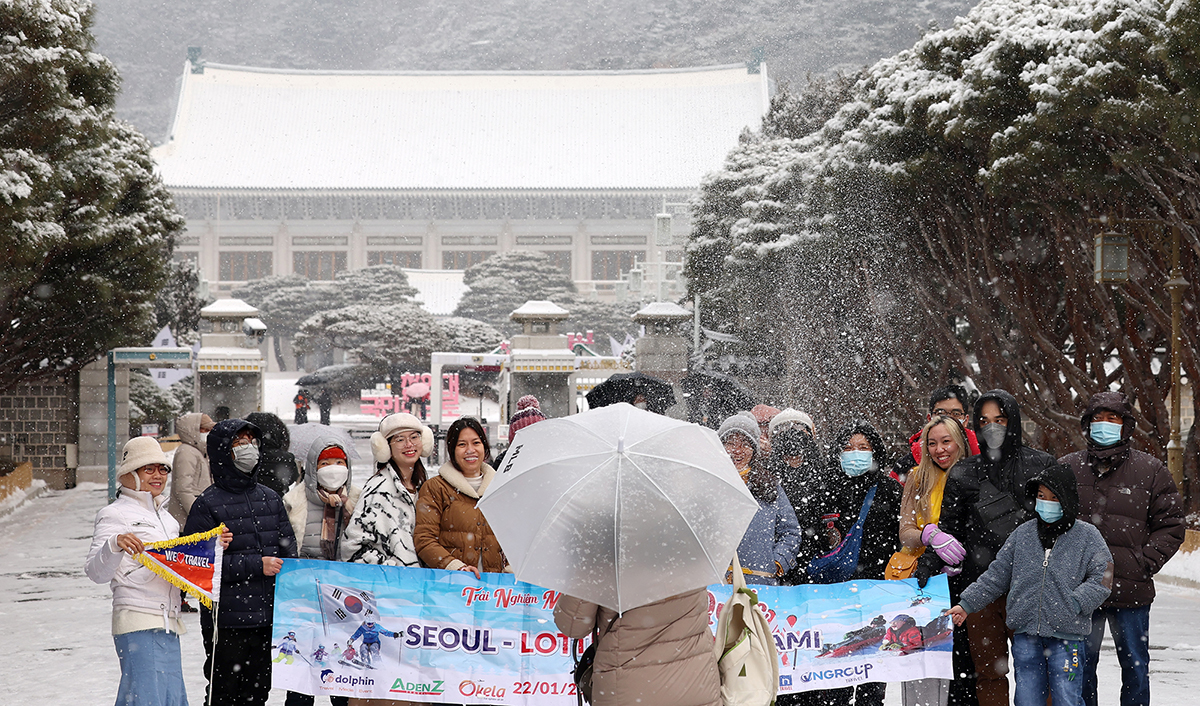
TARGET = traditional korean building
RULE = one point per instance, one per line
(316, 172)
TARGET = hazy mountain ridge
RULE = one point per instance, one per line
(148, 39)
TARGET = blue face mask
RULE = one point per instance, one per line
(1105, 433)
(1049, 510)
(856, 463)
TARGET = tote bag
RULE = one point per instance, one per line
(746, 656)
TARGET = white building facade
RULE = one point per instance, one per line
(315, 173)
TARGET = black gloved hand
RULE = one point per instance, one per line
(928, 565)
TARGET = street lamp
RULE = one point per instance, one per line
(1112, 258)
(1112, 265)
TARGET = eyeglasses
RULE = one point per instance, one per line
(409, 438)
(245, 442)
(155, 470)
(954, 413)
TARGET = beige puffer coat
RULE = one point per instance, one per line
(451, 532)
(189, 469)
(660, 654)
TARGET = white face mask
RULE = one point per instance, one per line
(245, 458)
(332, 477)
(204, 439)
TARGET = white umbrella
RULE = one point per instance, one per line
(618, 506)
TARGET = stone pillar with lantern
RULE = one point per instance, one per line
(230, 363)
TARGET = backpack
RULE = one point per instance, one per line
(747, 659)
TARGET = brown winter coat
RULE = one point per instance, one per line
(451, 532)
(189, 469)
(659, 654)
(1132, 499)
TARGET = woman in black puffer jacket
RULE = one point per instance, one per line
(262, 537)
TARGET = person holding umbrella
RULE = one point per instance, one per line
(578, 498)
(768, 548)
(451, 533)
(638, 389)
(661, 653)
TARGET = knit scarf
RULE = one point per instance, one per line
(333, 521)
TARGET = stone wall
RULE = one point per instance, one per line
(39, 421)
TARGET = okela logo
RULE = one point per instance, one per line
(470, 688)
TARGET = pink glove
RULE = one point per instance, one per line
(948, 549)
(952, 570)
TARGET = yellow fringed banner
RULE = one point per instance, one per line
(192, 563)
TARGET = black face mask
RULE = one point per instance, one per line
(791, 442)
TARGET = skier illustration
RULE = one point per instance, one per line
(369, 632)
(288, 649)
(320, 655)
(348, 656)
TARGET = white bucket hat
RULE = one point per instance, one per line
(138, 452)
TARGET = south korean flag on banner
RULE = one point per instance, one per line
(340, 603)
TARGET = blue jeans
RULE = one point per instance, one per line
(1048, 666)
(1131, 633)
(151, 669)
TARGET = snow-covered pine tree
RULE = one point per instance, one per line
(86, 227)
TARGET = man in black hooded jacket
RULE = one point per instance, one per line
(984, 501)
(262, 536)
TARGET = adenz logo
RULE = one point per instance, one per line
(854, 674)
(433, 688)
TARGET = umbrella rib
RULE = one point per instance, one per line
(680, 514)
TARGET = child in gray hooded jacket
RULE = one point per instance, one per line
(1056, 570)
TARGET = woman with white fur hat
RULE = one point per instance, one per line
(381, 529)
(145, 623)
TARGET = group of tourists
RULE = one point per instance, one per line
(399, 517)
(1040, 554)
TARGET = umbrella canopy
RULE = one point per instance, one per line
(712, 397)
(303, 435)
(618, 506)
(625, 387)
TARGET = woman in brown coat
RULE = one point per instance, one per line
(451, 533)
(659, 654)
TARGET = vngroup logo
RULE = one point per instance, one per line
(859, 672)
(479, 691)
(433, 688)
(785, 681)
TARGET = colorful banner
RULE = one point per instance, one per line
(444, 637)
(192, 563)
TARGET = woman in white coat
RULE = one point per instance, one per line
(145, 622)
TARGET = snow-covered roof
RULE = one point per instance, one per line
(439, 291)
(539, 309)
(662, 310)
(251, 128)
(228, 308)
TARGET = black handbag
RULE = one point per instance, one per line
(582, 674)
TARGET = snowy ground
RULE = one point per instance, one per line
(60, 650)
